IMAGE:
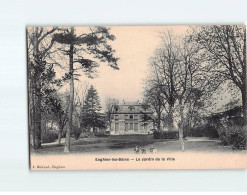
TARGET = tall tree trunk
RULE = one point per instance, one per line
(32, 117)
(244, 103)
(244, 90)
(170, 118)
(37, 86)
(70, 119)
(181, 128)
(30, 107)
(59, 137)
(79, 128)
(60, 132)
(38, 121)
(159, 118)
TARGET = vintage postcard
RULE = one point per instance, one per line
(137, 97)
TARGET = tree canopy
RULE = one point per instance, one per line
(91, 115)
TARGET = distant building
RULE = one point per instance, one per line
(127, 118)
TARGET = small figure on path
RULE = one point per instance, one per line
(142, 150)
(137, 150)
(153, 150)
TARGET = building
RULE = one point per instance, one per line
(127, 118)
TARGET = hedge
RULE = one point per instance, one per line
(202, 131)
(102, 134)
(49, 137)
(165, 134)
(234, 136)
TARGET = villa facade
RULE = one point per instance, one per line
(127, 118)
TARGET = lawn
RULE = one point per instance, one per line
(115, 144)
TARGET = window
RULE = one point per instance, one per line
(116, 117)
(126, 126)
(126, 116)
(116, 127)
(136, 126)
(116, 108)
(145, 126)
(131, 126)
(135, 116)
(131, 116)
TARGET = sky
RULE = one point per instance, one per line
(134, 46)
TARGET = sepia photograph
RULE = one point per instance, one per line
(137, 97)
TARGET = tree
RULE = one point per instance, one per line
(93, 43)
(195, 104)
(109, 103)
(91, 116)
(225, 47)
(79, 99)
(40, 75)
(57, 106)
(154, 98)
(178, 71)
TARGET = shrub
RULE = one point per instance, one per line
(234, 136)
(102, 134)
(84, 135)
(195, 132)
(76, 131)
(49, 136)
(211, 131)
(165, 134)
(203, 131)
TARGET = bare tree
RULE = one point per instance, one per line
(154, 98)
(225, 47)
(109, 103)
(79, 100)
(178, 69)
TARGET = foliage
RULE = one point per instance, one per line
(76, 131)
(202, 131)
(55, 107)
(224, 44)
(225, 50)
(165, 134)
(94, 44)
(234, 136)
(179, 81)
(146, 117)
(91, 116)
(154, 98)
(86, 51)
(109, 104)
(41, 77)
(49, 136)
(102, 134)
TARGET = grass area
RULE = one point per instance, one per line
(126, 143)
